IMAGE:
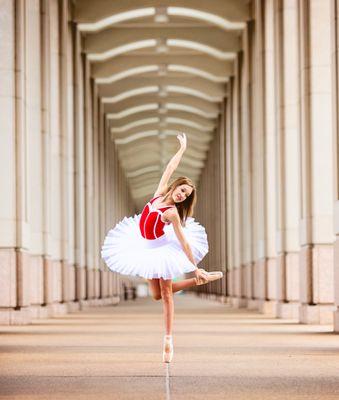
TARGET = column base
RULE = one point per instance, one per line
(238, 302)
(336, 321)
(15, 317)
(288, 310)
(317, 314)
(212, 296)
(268, 307)
(223, 299)
(25, 315)
(85, 304)
(252, 304)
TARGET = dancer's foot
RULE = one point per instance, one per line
(209, 277)
(167, 353)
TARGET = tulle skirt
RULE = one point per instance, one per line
(127, 252)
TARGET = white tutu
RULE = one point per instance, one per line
(125, 250)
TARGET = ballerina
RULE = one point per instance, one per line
(162, 243)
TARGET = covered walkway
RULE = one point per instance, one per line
(114, 353)
(92, 96)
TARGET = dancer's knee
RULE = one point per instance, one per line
(157, 297)
(166, 295)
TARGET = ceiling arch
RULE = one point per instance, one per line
(205, 124)
(168, 135)
(194, 134)
(212, 66)
(112, 42)
(185, 101)
(162, 108)
(161, 70)
(105, 13)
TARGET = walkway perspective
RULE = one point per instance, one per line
(114, 352)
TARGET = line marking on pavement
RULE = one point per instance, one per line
(167, 382)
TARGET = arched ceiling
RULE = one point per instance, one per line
(161, 67)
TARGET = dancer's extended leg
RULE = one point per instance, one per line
(185, 283)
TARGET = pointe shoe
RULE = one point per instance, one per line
(167, 353)
(210, 276)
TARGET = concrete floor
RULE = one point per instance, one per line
(114, 352)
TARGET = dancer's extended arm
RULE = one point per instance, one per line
(171, 166)
(173, 216)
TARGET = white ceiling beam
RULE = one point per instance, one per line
(127, 152)
(121, 64)
(173, 129)
(118, 124)
(196, 87)
(144, 137)
(109, 39)
(164, 108)
(188, 101)
(134, 163)
(88, 11)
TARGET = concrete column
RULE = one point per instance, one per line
(29, 163)
(238, 299)
(245, 149)
(91, 271)
(257, 152)
(80, 234)
(67, 149)
(229, 197)
(8, 227)
(287, 155)
(316, 225)
(335, 119)
(222, 198)
(53, 117)
(71, 164)
(270, 160)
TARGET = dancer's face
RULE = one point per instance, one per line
(181, 192)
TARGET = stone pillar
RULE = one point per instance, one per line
(270, 160)
(80, 233)
(238, 298)
(335, 74)
(257, 156)
(287, 155)
(222, 199)
(8, 227)
(316, 226)
(229, 199)
(91, 268)
(67, 146)
(29, 177)
(245, 149)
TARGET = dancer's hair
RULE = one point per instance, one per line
(186, 207)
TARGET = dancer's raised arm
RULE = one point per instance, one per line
(171, 166)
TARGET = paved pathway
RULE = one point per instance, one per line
(220, 353)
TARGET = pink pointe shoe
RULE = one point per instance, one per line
(209, 276)
(167, 353)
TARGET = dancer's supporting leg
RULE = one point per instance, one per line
(168, 303)
(176, 286)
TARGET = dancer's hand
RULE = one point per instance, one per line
(183, 141)
(200, 273)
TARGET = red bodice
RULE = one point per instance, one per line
(151, 226)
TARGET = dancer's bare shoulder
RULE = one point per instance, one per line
(172, 215)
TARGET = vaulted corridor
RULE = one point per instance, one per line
(93, 95)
